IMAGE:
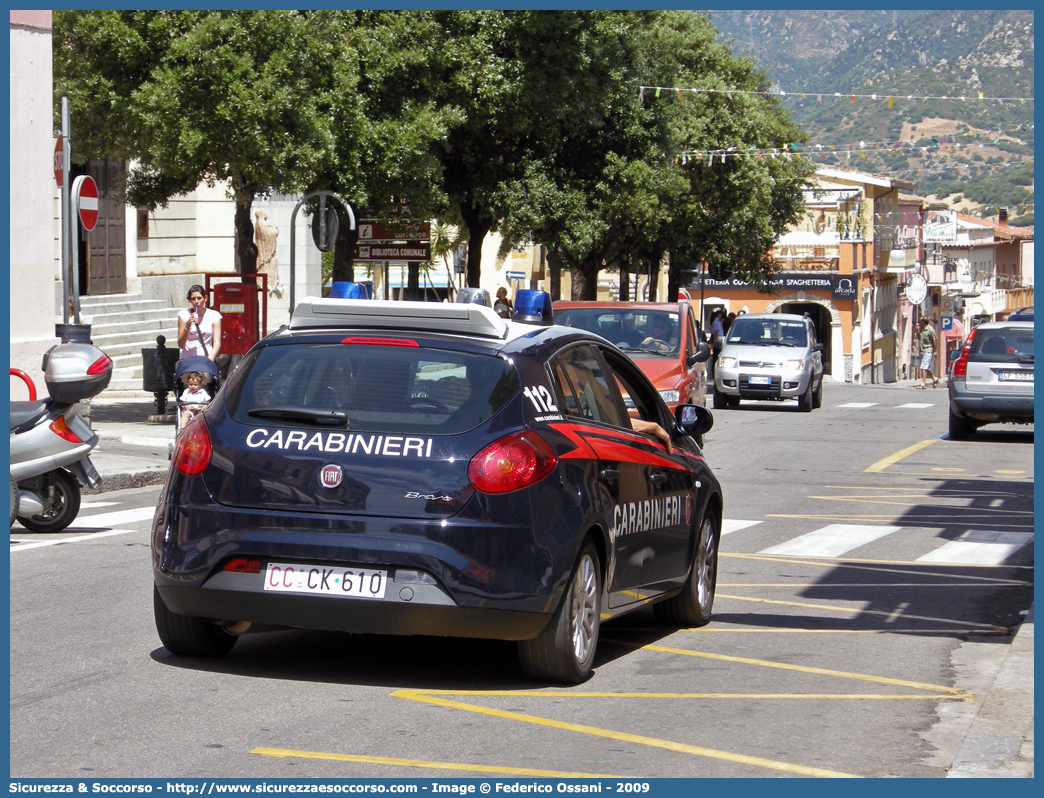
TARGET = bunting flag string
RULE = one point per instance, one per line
(891, 97)
(922, 145)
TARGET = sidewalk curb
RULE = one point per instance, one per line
(999, 743)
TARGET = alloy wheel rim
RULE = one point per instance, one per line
(705, 561)
(585, 608)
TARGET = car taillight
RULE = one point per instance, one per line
(514, 462)
(193, 448)
(61, 429)
(960, 365)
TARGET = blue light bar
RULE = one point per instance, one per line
(533, 307)
(349, 291)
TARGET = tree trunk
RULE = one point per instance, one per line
(246, 249)
(344, 252)
(477, 226)
(554, 272)
(625, 285)
(586, 274)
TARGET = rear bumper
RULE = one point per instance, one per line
(992, 406)
(405, 610)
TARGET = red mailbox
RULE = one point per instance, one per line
(237, 303)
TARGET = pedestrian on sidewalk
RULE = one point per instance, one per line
(927, 339)
(199, 327)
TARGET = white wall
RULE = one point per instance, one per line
(32, 186)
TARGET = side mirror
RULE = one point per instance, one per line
(693, 420)
(818, 347)
(701, 354)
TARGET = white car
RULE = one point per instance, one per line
(992, 380)
(770, 356)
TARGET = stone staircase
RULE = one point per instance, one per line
(121, 326)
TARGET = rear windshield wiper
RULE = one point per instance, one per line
(314, 415)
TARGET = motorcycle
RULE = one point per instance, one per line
(51, 443)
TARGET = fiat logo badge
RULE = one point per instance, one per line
(330, 476)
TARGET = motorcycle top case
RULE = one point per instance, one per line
(76, 371)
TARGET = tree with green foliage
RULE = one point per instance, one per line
(246, 98)
(620, 187)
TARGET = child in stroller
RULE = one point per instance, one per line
(197, 379)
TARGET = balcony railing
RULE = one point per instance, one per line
(798, 258)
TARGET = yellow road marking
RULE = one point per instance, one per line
(856, 611)
(892, 459)
(862, 677)
(999, 471)
(635, 739)
(419, 763)
(951, 470)
(950, 509)
(837, 562)
(942, 520)
(888, 585)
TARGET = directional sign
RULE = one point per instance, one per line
(394, 231)
(515, 275)
(59, 160)
(409, 252)
(85, 200)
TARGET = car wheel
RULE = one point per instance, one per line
(960, 427)
(721, 401)
(564, 652)
(817, 397)
(61, 509)
(694, 605)
(805, 400)
(192, 637)
(732, 401)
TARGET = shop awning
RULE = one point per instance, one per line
(956, 332)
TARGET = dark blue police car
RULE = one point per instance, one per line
(433, 469)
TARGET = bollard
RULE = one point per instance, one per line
(157, 372)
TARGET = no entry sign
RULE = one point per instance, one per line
(85, 200)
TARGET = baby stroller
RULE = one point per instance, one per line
(211, 382)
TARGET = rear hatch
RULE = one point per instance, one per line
(1001, 360)
(364, 426)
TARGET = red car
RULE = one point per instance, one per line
(663, 338)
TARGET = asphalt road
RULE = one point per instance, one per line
(871, 570)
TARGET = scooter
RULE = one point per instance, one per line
(51, 443)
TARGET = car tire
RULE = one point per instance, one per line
(191, 637)
(67, 506)
(732, 401)
(564, 652)
(805, 400)
(14, 500)
(695, 604)
(960, 427)
(721, 401)
(817, 397)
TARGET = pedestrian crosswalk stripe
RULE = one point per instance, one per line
(858, 405)
(916, 405)
(729, 525)
(979, 548)
(832, 540)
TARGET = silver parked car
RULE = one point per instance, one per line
(770, 356)
(992, 379)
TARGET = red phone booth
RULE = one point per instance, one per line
(241, 326)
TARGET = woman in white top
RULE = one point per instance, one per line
(199, 328)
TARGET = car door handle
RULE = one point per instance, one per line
(609, 474)
(658, 478)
